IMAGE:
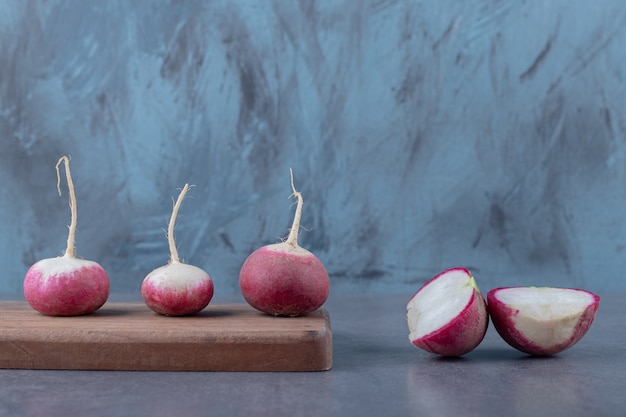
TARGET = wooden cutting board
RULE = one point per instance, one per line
(130, 336)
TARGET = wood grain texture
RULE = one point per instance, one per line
(129, 336)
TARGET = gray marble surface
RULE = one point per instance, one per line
(376, 373)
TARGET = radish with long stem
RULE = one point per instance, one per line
(177, 289)
(66, 285)
(284, 279)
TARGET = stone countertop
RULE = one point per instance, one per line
(376, 372)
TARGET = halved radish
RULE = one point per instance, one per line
(542, 320)
(448, 315)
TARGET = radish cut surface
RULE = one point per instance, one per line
(545, 303)
(439, 302)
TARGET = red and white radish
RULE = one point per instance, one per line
(448, 314)
(66, 285)
(542, 321)
(284, 279)
(177, 289)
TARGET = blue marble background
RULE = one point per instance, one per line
(422, 134)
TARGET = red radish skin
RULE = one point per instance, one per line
(284, 283)
(284, 279)
(557, 332)
(65, 285)
(177, 289)
(439, 324)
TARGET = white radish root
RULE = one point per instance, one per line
(71, 249)
(170, 228)
(292, 239)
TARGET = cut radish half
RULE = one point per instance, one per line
(448, 315)
(542, 320)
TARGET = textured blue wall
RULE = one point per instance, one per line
(422, 134)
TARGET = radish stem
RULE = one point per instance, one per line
(71, 250)
(292, 239)
(170, 228)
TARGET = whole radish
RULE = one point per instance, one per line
(177, 289)
(66, 285)
(284, 279)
